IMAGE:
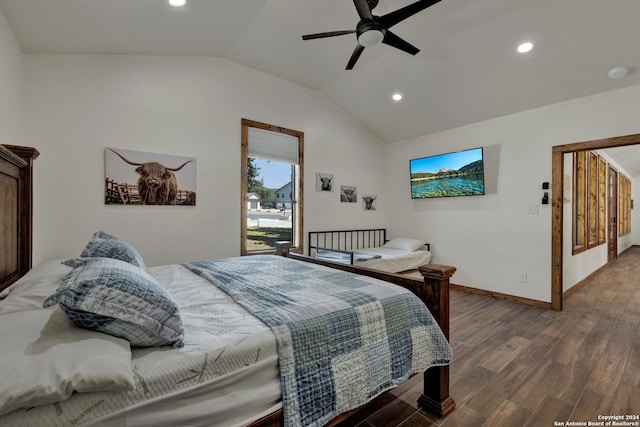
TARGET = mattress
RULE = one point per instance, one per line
(227, 373)
(240, 383)
(384, 259)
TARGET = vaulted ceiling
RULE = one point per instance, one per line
(467, 69)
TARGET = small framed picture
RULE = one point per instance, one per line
(324, 181)
(369, 202)
(348, 194)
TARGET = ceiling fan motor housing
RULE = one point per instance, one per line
(366, 25)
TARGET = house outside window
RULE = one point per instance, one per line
(253, 201)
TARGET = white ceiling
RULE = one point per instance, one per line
(467, 71)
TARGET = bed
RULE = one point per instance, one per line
(370, 248)
(184, 372)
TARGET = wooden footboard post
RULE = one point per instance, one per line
(436, 396)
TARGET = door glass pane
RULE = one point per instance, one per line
(271, 204)
(579, 202)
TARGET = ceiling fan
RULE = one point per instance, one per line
(373, 29)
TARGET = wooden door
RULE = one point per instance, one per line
(612, 202)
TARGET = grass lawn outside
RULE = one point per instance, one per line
(262, 239)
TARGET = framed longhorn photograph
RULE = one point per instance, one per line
(369, 202)
(324, 181)
(348, 194)
(140, 178)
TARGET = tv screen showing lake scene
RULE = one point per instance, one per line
(448, 175)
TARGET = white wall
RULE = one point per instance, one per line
(492, 239)
(78, 105)
(192, 106)
(11, 111)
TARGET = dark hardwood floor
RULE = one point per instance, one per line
(521, 366)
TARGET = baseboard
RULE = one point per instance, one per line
(498, 295)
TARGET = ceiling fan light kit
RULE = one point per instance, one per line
(372, 29)
(618, 72)
(370, 38)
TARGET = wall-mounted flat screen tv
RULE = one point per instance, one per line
(448, 175)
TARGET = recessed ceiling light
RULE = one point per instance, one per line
(177, 3)
(525, 47)
(397, 97)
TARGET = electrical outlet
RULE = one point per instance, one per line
(523, 277)
(532, 210)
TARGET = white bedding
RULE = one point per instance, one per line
(225, 375)
(395, 260)
(384, 259)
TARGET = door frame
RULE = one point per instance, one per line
(557, 193)
(298, 243)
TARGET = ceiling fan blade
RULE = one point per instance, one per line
(363, 9)
(327, 34)
(354, 57)
(391, 19)
(395, 41)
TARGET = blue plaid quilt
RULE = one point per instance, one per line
(342, 338)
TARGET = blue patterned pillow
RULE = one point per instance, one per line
(119, 299)
(108, 246)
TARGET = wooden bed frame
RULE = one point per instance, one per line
(16, 237)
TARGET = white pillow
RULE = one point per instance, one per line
(30, 291)
(404, 244)
(45, 358)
